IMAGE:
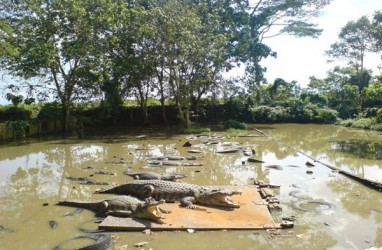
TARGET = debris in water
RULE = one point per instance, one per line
(53, 224)
(309, 164)
(141, 244)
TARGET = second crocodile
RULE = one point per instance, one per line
(155, 176)
(121, 206)
(185, 193)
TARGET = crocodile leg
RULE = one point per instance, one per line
(188, 202)
(147, 191)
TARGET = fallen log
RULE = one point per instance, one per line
(369, 183)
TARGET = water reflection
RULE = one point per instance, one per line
(35, 174)
(365, 149)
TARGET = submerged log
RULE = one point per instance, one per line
(369, 183)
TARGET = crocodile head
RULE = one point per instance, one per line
(218, 197)
(150, 210)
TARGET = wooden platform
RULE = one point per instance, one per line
(253, 214)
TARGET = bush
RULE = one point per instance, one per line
(379, 115)
(326, 115)
(268, 114)
(14, 113)
(369, 112)
(363, 123)
(195, 129)
(18, 128)
(236, 109)
(235, 124)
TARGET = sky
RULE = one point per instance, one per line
(299, 58)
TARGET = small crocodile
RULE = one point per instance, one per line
(120, 206)
(174, 163)
(170, 191)
(86, 181)
(155, 176)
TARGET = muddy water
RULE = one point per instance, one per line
(33, 178)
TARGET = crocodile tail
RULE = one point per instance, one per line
(91, 205)
(113, 190)
(131, 174)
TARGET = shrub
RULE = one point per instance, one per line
(379, 115)
(15, 113)
(195, 129)
(363, 123)
(18, 128)
(327, 115)
(269, 114)
(235, 124)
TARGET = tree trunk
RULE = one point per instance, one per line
(184, 116)
(145, 115)
(65, 118)
(164, 115)
(187, 122)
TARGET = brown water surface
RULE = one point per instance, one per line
(33, 178)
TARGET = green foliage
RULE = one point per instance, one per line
(354, 40)
(377, 31)
(15, 99)
(18, 128)
(269, 114)
(372, 96)
(113, 50)
(195, 129)
(294, 110)
(362, 123)
(235, 124)
(6, 34)
(12, 113)
(50, 111)
(379, 115)
(236, 108)
(316, 98)
(326, 116)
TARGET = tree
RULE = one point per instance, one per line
(354, 41)
(53, 44)
(189, 53)
(281, 90)
(79, 49)
(342, 95)
(373, 95)
(377, 31)
(254, 22)
(6, 35)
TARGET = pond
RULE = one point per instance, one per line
(33, 177)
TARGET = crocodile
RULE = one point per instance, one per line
(155, 176)
(86, 181)
(120, 206)
(174, 163)
(184, 193)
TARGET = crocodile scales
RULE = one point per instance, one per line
(185, 193)
(120, 206)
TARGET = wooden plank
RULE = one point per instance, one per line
(253, 214)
